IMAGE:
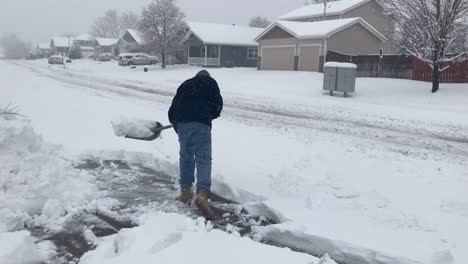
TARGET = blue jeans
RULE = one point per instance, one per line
(195, 151)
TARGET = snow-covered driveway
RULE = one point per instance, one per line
(365, 179)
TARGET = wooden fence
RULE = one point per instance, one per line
(398, 66)
(456, 73)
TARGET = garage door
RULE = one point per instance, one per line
(278, 58)
(309, 58)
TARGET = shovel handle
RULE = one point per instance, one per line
(157, 131)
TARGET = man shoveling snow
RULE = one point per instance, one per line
(197, 103)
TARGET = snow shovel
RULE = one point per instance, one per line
(156, 133)
(139, 129)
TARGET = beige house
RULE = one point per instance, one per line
(288, 45)
(369, 10)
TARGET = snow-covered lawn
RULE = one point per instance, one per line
(377, 178)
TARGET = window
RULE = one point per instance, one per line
(212, 52)
(252, 53)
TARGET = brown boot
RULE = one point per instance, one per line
(204, 206)
(186, 195)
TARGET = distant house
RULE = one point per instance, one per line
(105, 45)
(288, 45)
(43, 48)
(131, 41)
(220, 45)
(369, 10)
(86, 43)
(61, 45)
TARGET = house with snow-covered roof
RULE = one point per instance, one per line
(300, 46)
(372, 11)
(219, 45)
(105, 45)
(86, 43)
(61, 45)
(43, 48)
(131, 41)
(301, 38)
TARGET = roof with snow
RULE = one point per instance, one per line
(106, 42)
(62, 42)
(220, 34)
(84, 37)
(320, 29)
(87, 48)
(43, 46)
(136, 35)
(315, 10)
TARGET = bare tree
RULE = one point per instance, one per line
(14, 47)
(128, 20)
(107, 26)
(259, 22)
(432, 31)
(163, 26)
(113, 25)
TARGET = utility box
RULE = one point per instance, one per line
(339, 77)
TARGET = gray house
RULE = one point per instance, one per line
(217, 45)
(288, 45)
(105, 45)
(131, 41)
(369, 10)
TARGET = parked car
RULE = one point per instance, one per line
(104, 57)
(56, 59)
(129, 59)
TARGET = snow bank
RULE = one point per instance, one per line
(173, 238)
(35, 180)
(133, 127)
(20, 248)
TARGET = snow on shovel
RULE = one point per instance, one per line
(138, 129)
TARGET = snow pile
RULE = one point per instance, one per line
(173, 238)
(20, 248)
(133, 127)
(36, 182)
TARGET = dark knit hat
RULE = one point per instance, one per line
(204, 73)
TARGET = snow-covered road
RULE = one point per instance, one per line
(450, 139)
(365, 179)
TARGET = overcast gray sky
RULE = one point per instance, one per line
(38, 20)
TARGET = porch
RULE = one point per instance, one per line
(204, 55)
